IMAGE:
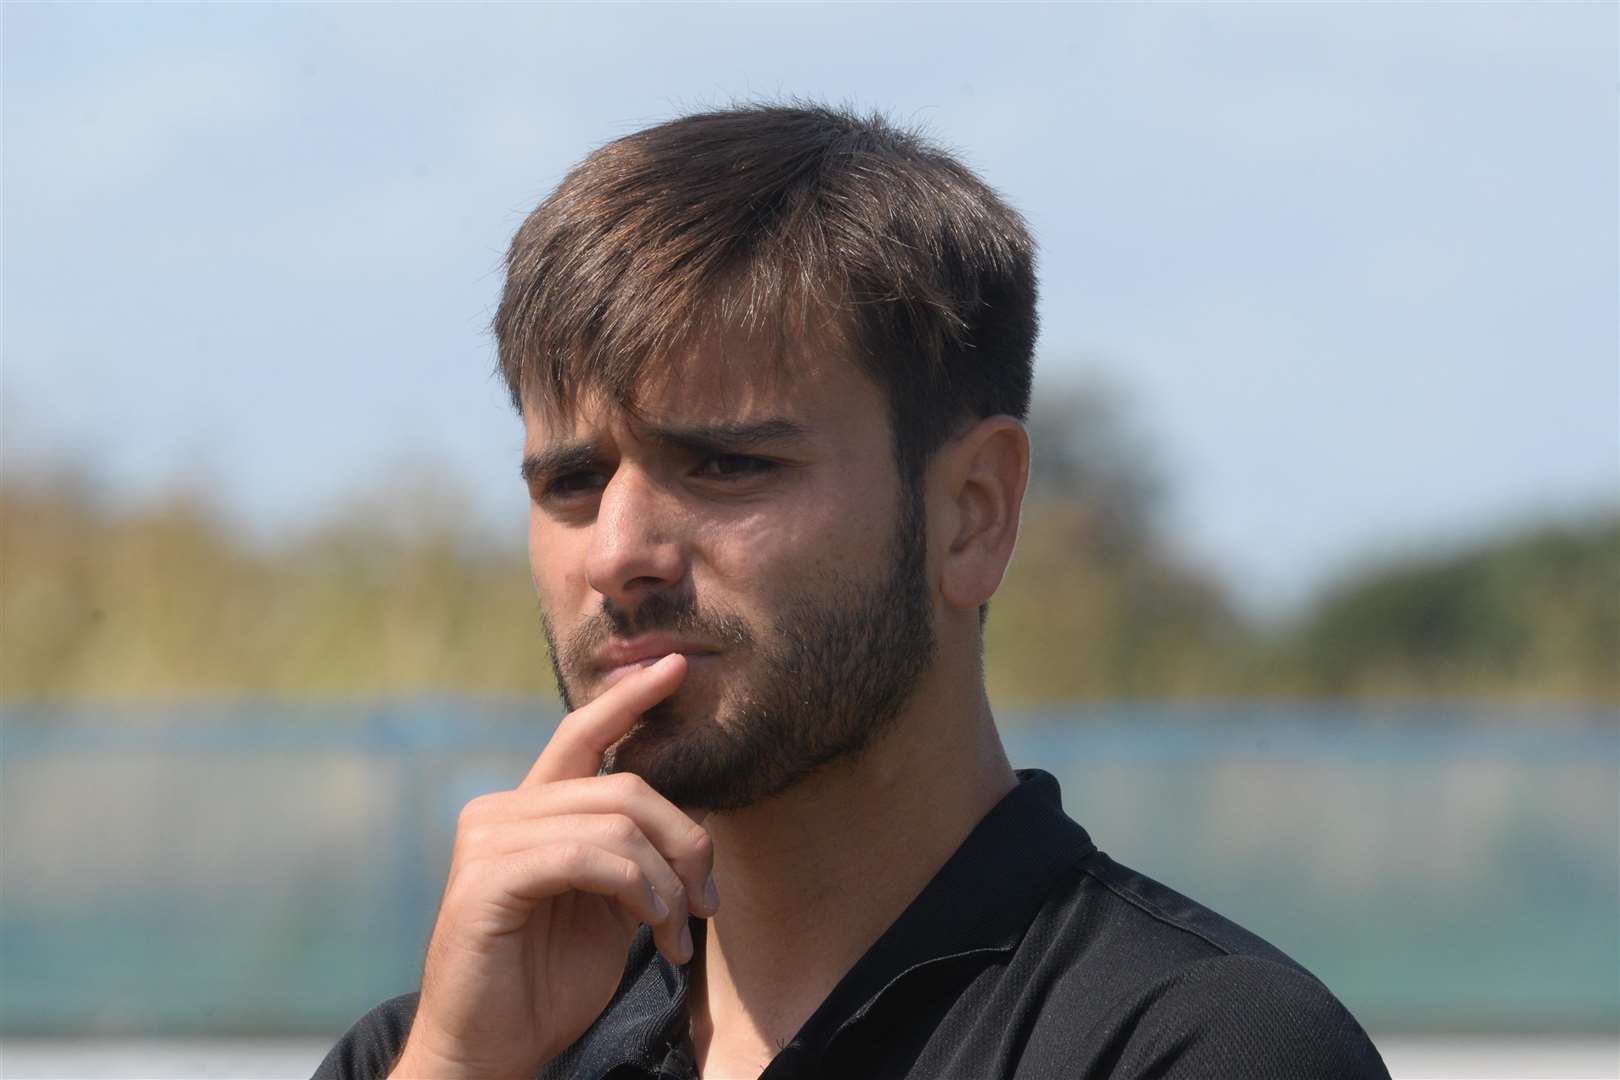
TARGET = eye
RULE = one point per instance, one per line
(571, 484)
(733, 466)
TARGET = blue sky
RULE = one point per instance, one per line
(1354, 266)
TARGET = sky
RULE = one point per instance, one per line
(1355, 268)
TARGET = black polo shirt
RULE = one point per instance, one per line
(1029, 955)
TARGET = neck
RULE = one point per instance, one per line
(809, 880)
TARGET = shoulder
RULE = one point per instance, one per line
(369, 1049)
(1185, 991)
(1166, 926)
(1242, 1015)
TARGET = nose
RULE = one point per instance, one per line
(635, 549)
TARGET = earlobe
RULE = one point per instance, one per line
(988, 468)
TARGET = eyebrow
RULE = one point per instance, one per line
(722, 437)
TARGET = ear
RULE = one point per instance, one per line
(976, 491)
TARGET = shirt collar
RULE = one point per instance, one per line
(981, 901)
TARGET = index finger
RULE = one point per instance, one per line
(585, 734)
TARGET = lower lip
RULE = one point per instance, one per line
(615, 674)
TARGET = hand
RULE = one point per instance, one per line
(547, 886)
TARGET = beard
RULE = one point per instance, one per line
(830, 675)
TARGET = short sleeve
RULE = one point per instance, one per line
(1251, 1017)
(369, 1049)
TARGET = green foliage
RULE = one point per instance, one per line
(164, 602)
(1079, 618)
(1094, 606)
(396, 597)
(1530, 616)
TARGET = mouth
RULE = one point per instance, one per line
(624, 658)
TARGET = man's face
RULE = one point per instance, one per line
(756, 525)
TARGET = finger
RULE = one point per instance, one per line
(541, 873)
(617, 836)
(585, 734)
(613, 832)
(684, 845)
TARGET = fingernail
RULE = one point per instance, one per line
(660, 907)
(686, 942)
(711, 895)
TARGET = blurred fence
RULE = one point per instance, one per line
(274, 869)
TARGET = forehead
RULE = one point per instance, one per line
(726, 381)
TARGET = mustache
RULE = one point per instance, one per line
(669, 612)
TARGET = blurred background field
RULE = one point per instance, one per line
(164, 601)
(232, 769)
(272, 870)
(1316, 608)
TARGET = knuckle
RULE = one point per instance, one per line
(474, 836)
(627, 786)
(701, 844)
(472, 876)
(570, 855)
(620, 827)
(634, 879)
(477, 810)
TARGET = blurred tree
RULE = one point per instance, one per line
(1095, 604)
(163, 601)
(1535, 615)
(399, 595)
(1088, 455)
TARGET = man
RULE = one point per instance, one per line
(771, 364)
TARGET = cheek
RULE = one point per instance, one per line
(534, 548)
(536, 553)
(555, 567)
(776, 551)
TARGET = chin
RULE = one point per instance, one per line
(661, 730)
(689, 757)
(691, 713)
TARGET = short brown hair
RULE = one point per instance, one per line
(761, 218)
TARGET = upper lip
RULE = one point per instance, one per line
(644, 647)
